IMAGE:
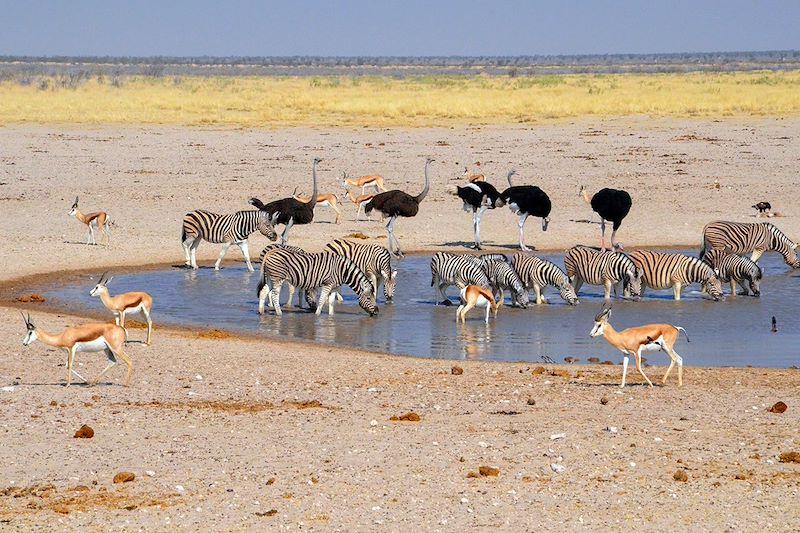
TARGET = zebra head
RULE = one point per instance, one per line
(600, 320)
(266, 225)
(389, 283)
(521, 296)
(366, 300)
(567, 292)
(633, 282)
(712, 286)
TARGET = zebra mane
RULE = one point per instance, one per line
(778, 234)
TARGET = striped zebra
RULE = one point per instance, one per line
(537, 273)
(745, 237)
(610, 269)
(228, 229)
(735, 269)
(374, 260)
(662, 271)
(310, 295)
(459, 270)
(502, 277)
(308, 271)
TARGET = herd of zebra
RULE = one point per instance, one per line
(364, 267)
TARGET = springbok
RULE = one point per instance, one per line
(632, 341)
(475, 296)
(360, 200)
(108, 338)
(472, 178)
(325, 200)
(100, 219)
(373, 180)
(126, 303)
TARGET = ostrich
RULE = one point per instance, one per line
(291, 211)
(764, 209)
(525, 201)
(613, 206)
(478, 196)
(393, 204)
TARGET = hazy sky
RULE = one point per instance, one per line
(382, 27)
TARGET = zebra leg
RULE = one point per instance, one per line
(262, 296)
(334, 295)
(608, 286)
(275, 297)
(323, 298)
(186, 247)
(577, 283)
(246, 253)
(521, 224)
(195, 245)
(676, 291)
(222, 254)
(639, 366)
(285, 234)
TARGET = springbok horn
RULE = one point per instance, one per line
(23, 317)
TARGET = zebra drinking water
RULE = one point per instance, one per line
(537, 273)
(745, 237)
(610, 269)
(735, 269)
(460, 270)
(374, 260)
(664, 271)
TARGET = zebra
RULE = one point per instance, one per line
(735, 269)
(460, 270)
(502, 276)
(745, 237)
(662, 271)
(309, 271)
(374, 260)
(233, 228)
(310, 295)
(607, 268)
(537, 273)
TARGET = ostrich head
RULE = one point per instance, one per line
(545, 223)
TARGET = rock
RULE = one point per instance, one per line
(560, 373)
(612, 429)
(531, 401)
(473, 474)
(85, 432)
(538, 370)
(408, 417)
(604, 400)
(743, 475)
(557, 468)
(789, 457)
(271, 512)
(607, 363)
(124, 477)
(557, 436)
(456, 370)
(594, 359)
(778, 408)
(680, 475)
(271, 481)
(488, 471)
(53, 403)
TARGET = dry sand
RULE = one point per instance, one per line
(241, 434)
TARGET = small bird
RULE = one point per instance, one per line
(774, 325)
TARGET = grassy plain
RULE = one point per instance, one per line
(384, 101)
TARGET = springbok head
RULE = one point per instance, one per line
(30, 336)
(102, 285)
(74, 209)
(600, 320)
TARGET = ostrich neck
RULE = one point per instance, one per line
(421, 196)
(510, 184)
(313, 201)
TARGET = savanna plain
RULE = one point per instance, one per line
(231, 433)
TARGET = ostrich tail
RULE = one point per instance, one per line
(255, 202)
(452, 189)
(368, 207)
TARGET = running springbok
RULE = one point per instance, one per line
(100, 219)
(472, 178)
(360, 200)
(324, 200)
(632, 341)
(475, 296)
(106, 337)
(373, 180)
(126, 303)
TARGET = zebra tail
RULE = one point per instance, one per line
(261, 281)
(704, 248)
(684, 333)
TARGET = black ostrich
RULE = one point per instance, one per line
(478, 196)
(613, 206)
(291, 211)
(393, 204)
(525, 201)
(764, 208)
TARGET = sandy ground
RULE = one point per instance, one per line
(230, 434)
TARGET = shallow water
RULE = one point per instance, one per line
(734, 332)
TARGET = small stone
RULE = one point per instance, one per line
(531, 401)
(594, 359)
(271, 481)
(778, 408)
(607, 363)
(150, 473)
(373, 423)
(85, 432)
(557, 468)
(789, 457)
(604, 400)
(742, 476)
(488, 471)
(53, 403)
(456, 370)
(560, 373)
(611, 429)
(557, 436)
(408, 417)
(124, 477)
(179, 488)
(538, 370)
(680, 475)
(473, 474)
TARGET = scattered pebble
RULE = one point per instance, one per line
(557, 468)
(179, 488)
(604, 400)
(680, 475)
(85, 432)
(594, 359)
(612, 429)
(408, 417)
(456, 370)
(789, 457)
(124, 477)
(538, 370)
(150, 473)
(778, 408)
(487, 471)
(373, 423)
(557, 436)
(531, 401)
(266, 513)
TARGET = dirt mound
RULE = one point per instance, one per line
(85, 432)
(215, 334)
(778, 408)
(408, 417)
(31, 298)
(124, 477)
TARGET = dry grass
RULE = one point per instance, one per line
(420, 101)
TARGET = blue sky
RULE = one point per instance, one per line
(381, 27)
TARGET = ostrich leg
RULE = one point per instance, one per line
(615, 245)
(477, 223)
(394, 244)
(285, 234)
(522, 219)
(603, 235)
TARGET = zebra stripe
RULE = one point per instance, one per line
(460, 270)
(607, 268)
(745, 237)
(664, 271)
(310, 294)
(309, 271)
(503, 277)
(374, 260)
(233, 228)
(735, 269)
(537, 273)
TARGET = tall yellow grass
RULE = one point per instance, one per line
(418, 101)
